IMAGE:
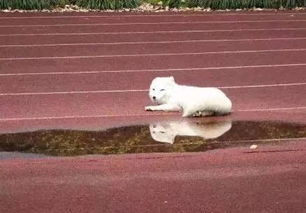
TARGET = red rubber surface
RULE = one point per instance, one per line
(122, 49)
(92, 70)
(175, 36)
(232, 180)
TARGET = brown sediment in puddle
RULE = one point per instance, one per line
(171, 136)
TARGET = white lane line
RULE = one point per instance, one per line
(72, 92)
(154, 42)
(153, 70)
(156, 32)
(153, 54)
(272, 109)
(139, 115)
(142, 90)
(150, 23)
(264, 85)
(114, 15)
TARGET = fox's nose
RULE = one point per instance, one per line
(154, 98)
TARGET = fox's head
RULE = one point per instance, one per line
(160, 89)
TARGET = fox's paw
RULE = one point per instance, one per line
(149, 108)
(203, 113)
(197, 114)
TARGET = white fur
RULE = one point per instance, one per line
(193, 101)
(167, 131)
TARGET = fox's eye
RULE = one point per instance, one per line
(153, 89)
(162, 90)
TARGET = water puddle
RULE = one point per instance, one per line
(168, 136)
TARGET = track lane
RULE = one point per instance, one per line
(150, 23)
(130, 49)
(105, 81)
(111, 104)
(152, 37)
(152, 62)
(153, 28)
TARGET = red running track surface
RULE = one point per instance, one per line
(92, 71)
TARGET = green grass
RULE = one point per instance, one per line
(108, 4)
(235, 4)
(49, 4)
(32, 4)
(119, 4)
(172, 3)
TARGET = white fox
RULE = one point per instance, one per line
(193, 101)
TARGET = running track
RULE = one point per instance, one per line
(92, 71)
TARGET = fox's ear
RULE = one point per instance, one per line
(171, 78)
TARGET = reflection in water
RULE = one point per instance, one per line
(174, 136)
(167, 131)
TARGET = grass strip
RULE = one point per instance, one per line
(119, 4)
(108, 4)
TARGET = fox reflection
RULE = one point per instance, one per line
(167, 131)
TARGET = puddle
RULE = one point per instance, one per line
(171, 136)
